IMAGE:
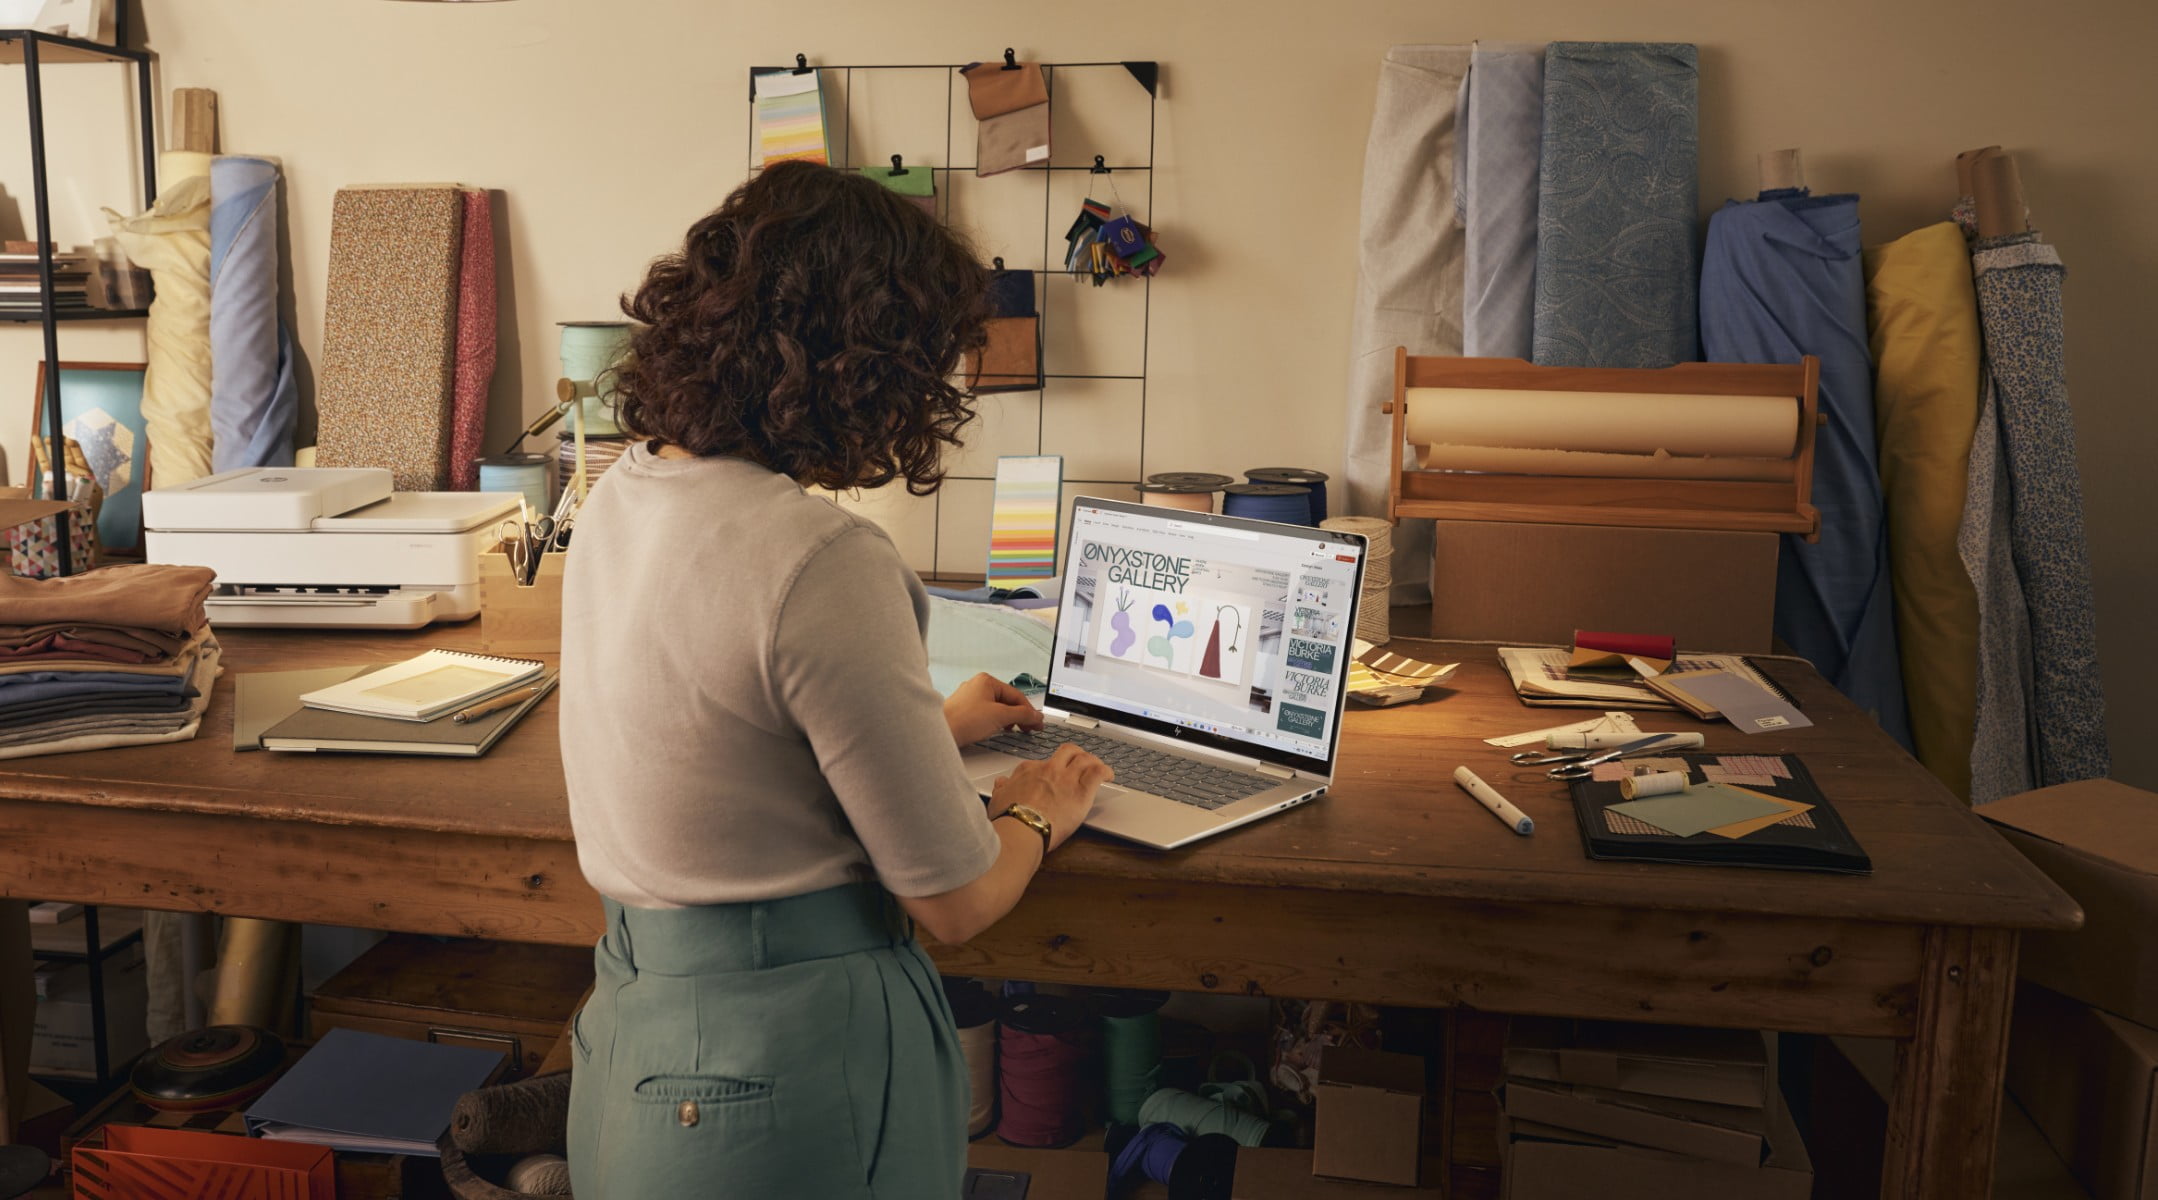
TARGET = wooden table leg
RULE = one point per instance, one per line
(18, 1012)
(1946, 1110)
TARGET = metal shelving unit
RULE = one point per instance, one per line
(94, 953)
(34, 51)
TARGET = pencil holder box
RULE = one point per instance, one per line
(515, 619)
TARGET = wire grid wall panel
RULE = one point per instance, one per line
(1091, 407)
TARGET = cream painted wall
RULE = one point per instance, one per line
(610, 126)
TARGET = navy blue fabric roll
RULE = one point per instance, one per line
(1616, 206)
(1783, 278)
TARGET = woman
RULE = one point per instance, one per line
(763, 783)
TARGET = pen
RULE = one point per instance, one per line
(1492, 800)
(505, 700)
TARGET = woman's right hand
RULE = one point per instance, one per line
(1060, 788)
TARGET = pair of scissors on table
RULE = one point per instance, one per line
(1580, 764)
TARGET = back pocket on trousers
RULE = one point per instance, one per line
(704, 1089)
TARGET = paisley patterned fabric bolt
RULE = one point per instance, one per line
(1616, 207)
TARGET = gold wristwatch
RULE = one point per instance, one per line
(1032, 820)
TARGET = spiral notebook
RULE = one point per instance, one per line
(421, 689)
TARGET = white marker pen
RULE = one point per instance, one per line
(1492, 800)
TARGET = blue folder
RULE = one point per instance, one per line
(372, 1094)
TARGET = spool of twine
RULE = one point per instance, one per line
(1042, 1052)
(1131, 1050)
(1374, 621)
(974, 1011)
(1286, 504)
(1297, 476)
(1197, 1114)
(1189, 497)
(539, 1175)
(1204, 480)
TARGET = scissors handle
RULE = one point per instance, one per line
(1572, 771)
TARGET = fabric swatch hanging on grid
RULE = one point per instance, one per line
(918, 184)
(1616, 206)
(1011, 101)
(475, 370)
(1011, 359)
(1783, 278)
(790, 116)
(389, 332)
(1922, 316)
(254, 399)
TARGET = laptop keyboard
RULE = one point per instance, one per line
(1184, 780)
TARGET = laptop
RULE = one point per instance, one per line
(1201, 656)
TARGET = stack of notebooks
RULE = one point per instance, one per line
(441, 703)
(1645, 1112)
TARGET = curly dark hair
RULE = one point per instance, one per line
(812, 324)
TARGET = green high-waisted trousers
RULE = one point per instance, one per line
(763, 1051)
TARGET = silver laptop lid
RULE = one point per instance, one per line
(1214, 630)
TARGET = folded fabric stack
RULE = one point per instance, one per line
(121, 656)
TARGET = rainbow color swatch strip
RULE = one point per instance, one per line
(1023, 520)
(790, 118)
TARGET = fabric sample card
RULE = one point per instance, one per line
(1702, 807)
(1748, 706)
(1010, 361)
(917, 184)
(1616, 206)
(994, 89)
(389, 332)
(475, 370)
(1023, 520)
(790, 117)
(1011, 293)
(1014, 140)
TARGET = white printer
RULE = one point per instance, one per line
(327, 548)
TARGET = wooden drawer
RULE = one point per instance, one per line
(503, 996)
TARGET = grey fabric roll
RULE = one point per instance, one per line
(254, 402)
(2001, 757)
(1501, 143)
(1616, 206)
(1408, 288)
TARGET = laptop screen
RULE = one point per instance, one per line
(1219, 631)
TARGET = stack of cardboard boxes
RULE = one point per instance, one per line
(1645, 1112)
(2083, 1053)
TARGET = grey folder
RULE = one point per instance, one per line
(371, 1094)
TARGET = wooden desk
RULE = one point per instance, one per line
(1395, 889)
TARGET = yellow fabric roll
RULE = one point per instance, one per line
(1922, 317)
(172, 241)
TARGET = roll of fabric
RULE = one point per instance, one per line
(1616, 205)
(475, 370)
(1408, 287)
(2002, 760)
(172, 241)
(254, 400)
(1781, 278)
(1922, 316)
(2019, 306)
(1501, 136)
(389, 333)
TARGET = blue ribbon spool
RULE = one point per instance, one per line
(1287, 504)
(1296, 477)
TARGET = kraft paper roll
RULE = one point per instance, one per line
(254, 400)
(172, 241)
(1661, 783)
(1610, 422)
(1507, 460)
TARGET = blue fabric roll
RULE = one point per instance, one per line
(254, 401)
(1782, 278)
(1616, 206)
(1502, 134)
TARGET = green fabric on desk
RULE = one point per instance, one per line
(967, 639)
(1703, 806)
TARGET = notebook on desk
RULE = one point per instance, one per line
(1811, 837)
(421, 689)
(315, 729)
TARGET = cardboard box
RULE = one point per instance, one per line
(1544, 1164)
(1715, 1066)
(1369, 1108)
(1534, 583)
(62, 1042)
(2099, 841)
(1737, 1136)
(2089, 1080)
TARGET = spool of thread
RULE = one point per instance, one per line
(1298, 477)
(1194, 1168)
(599, 454)
(1187, 496)
(974, 1011)
(539, 1175)
(1196, 1115)
(1131, 1050)
(1285, 503)
(523, 473)
(1198, 479)
(1658, 783)
(1042, 1081)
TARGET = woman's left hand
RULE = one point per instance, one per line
(985, 706)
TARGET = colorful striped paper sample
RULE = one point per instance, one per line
(1023, 520)
(790, 118)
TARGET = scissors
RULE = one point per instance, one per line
(1580, 764)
